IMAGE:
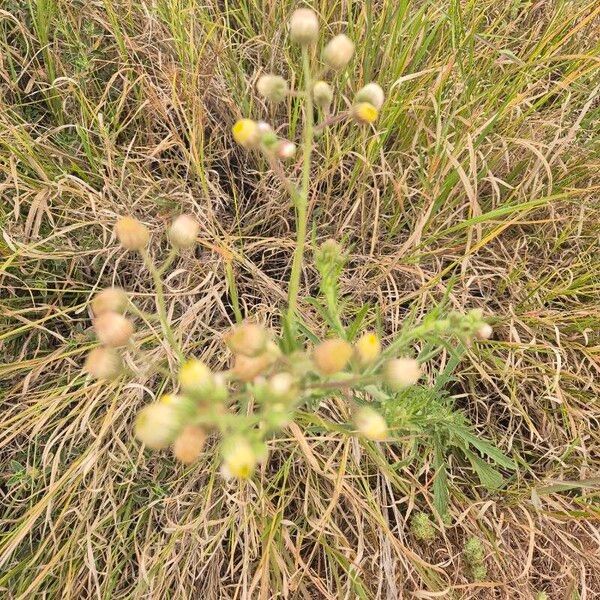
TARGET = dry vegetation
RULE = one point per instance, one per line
(479, 190)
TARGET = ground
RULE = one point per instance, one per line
(477, 189)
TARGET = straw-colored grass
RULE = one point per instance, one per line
(479, 190)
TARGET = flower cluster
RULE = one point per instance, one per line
(336, 55)
(273, 375)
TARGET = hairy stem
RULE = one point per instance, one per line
(302, 198)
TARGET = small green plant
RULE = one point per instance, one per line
(274, 375)
(422, 527)
(474, 555)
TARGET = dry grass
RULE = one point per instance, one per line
(480, 190)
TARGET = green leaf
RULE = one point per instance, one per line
(484, 447)
(354, 327)
(440, 482)
(489, 477)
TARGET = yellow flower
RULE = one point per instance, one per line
(239, 458)
(196, 379)
(365, 112)
(332, 356)
(246, 133)
(367, 348)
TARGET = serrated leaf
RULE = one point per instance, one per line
(440, 483)
(485, 447)
(489, 477)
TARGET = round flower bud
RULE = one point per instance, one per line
(248, 339)
(365, 112)
(371, 93)
(322, 94)
(484, 332)
(272, 87)
(285, 149)
(196, 379)
(112, 299)
(103, 363)
(157, 425)
(183, 232)
(113, 330)
(401, 373)
(239, 458)
(371, 424)
(220, 392)
(332, 356)
(264, 128)
(189, 444)
(132, 234)
(184, 407)
(367, 348)
(304, 26)
(280, 388)
(338, 52)
(247, 368)
(246, 133)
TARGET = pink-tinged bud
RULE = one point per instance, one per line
(371, 424)
(338, 52)
(157, 425)
(304, 26)
(272, 87)
(189, 444)
(285, 150)
(196, 379)
(103, 363)
(132, 234)
(367, 349)
(183, 232)
(332, 356)
(371, 93)
(323, 95)
(113, 330)
(401, 373)
(485, 332)
(112, 299)
(248, 339)
(247, 368)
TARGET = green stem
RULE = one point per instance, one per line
(302, 198)
(160, 302)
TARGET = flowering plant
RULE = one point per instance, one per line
(274, 375)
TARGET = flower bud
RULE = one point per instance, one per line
(304, 26)
(132, 234)
(365, 113)
(239, 458)
(196, 379)
(183, 406)
(113, 329)
(484, 332)
(272, 87)
(422, 527)
(332, 356)
(401, 373)
(157, 425)
(248, 339)
(338, 52)
(284, 149)
(281, 388)
(112, 299)
(247, 368)
(183, 232)
(322, 94)
(246, 133)
(103, 363)
(367, 348)
(220, 392)
(371, 424)
(189, 444)
(371, 93)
